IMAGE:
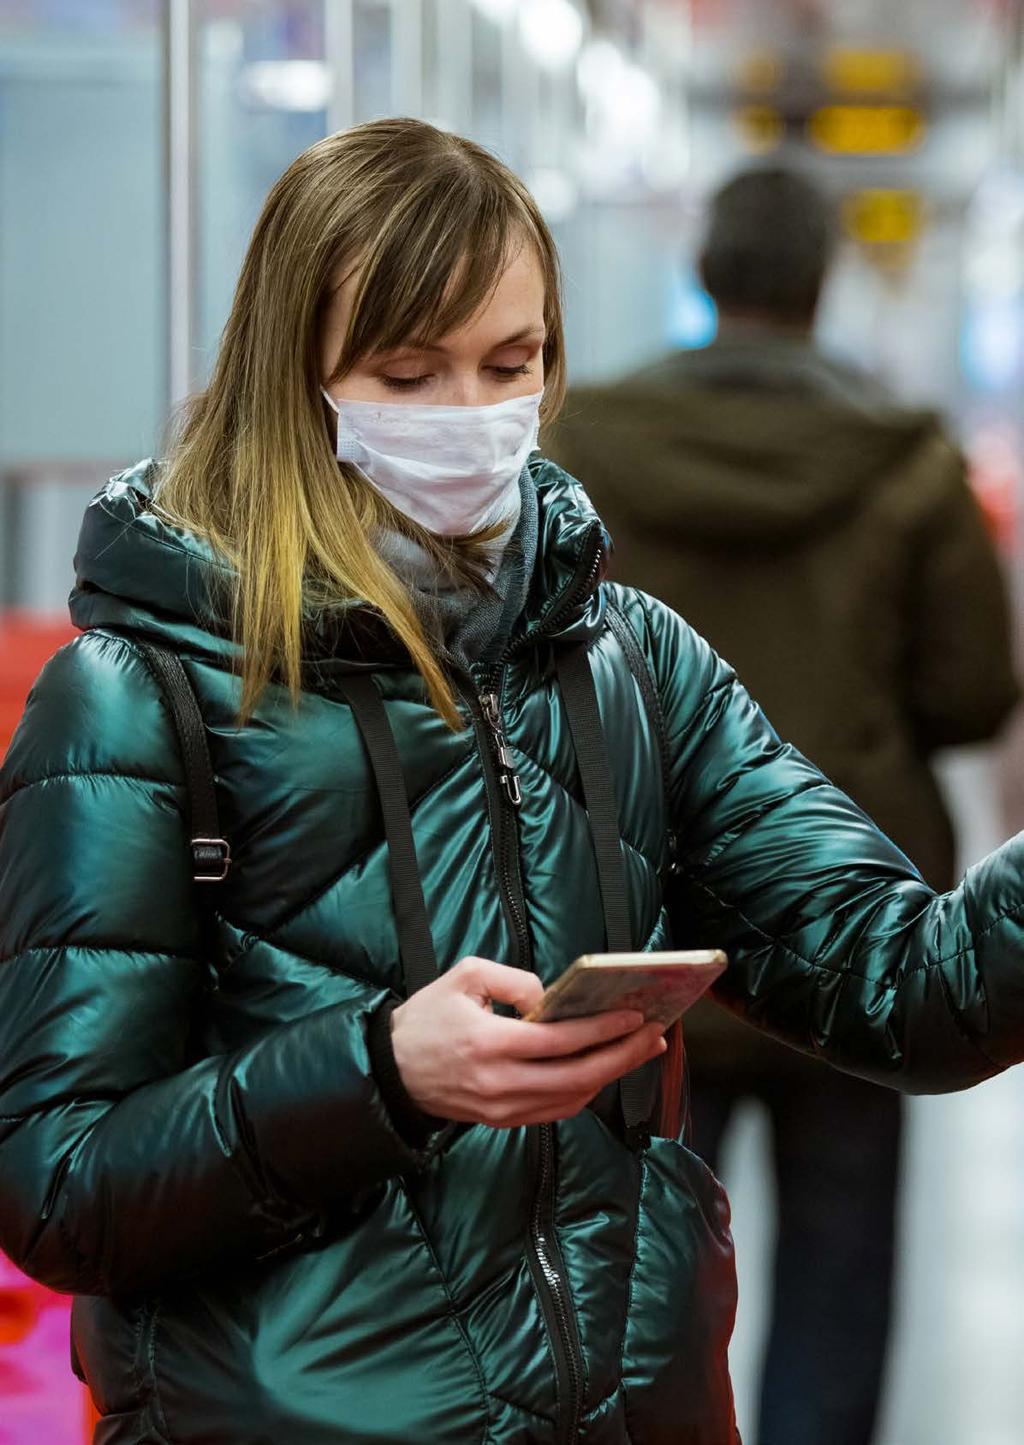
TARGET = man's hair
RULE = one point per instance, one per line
(768, 245)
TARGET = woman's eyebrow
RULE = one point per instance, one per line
(527, 333)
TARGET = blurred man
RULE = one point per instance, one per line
(827, 544)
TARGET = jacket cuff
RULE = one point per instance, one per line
(413, 1126)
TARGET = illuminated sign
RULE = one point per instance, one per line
(870, 72)
(879, 217)
(867, 130)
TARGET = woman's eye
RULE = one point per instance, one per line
(404, 383)
(510, 371)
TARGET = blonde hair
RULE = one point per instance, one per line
(431, 221)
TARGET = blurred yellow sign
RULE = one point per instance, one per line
(866, 129)
(883, 217)
(870, 72)
(760, 126)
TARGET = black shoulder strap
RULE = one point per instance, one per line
(416, 945)
(638, 1090)
(211, 853)
(647, 683)
(580, 696)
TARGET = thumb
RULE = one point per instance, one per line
(485, 980)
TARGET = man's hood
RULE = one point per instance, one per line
(730, 466)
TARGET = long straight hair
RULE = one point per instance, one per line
(430, 221)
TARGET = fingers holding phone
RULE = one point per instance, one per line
(458, 1060)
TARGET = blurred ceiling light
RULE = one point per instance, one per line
(997, 206)
(667, 164)
(500, 11)
(994, 269)
(304, 85)
(622, 97)
(551, 31)
(555, 192)
(627, 141)
(599, 66)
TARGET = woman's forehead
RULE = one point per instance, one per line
(514, 308)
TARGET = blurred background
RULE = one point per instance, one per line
(137, 141)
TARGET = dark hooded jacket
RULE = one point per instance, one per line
(192, 1136)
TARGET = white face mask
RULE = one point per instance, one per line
(453, 469)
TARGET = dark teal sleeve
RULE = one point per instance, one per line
(123, 1158)
(837, 946)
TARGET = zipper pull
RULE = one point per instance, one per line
(507, 775)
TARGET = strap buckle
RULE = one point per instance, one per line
(211, 858)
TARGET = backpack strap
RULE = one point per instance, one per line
(211, 852)
(638, 1090)
(591, 746)
(675, 1089)
(415, 942)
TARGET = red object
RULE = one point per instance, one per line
(670, 1120)
(19, 1310)
(38, 1396)
(26, 641)
(997, 477)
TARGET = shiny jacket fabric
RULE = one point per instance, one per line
(191, 1137)
(827, 543)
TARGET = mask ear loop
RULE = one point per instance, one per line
(346, 448)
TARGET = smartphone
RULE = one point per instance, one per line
(661, 986)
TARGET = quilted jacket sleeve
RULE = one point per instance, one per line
(836, 945)
(121, 1159)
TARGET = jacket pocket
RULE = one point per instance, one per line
(682, 1305)
(108, 1351)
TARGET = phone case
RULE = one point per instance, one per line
(661, 989)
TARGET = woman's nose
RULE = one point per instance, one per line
(465, 389)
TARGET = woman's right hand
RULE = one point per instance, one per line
(459, 1060)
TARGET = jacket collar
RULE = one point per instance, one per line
(139, 571)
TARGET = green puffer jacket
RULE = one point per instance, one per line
(209, 1166)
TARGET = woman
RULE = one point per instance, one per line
(294, 1207)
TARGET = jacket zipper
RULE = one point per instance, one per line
(543, 1256)
(548, 1270)
(490, 703)
(504, 796)
(588, 571)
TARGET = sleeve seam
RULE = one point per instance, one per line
(90, 773)
(63, 946)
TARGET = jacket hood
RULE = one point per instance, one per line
(136, 570)
(728, 465)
